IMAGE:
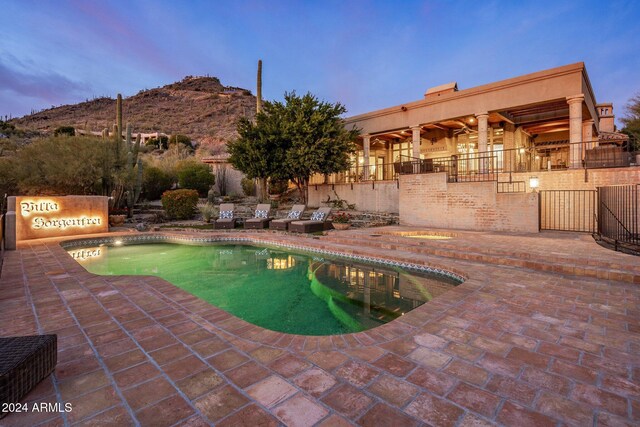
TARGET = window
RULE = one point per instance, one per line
(402, 151)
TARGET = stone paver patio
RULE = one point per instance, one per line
(544, 331)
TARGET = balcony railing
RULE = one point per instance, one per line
(486, 166)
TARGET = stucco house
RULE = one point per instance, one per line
(466, 158)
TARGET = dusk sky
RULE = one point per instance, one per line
(364, 54)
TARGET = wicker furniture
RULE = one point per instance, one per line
(283, 223)
(227, 219)
(24, 362)
(313, 225)
(261, 218)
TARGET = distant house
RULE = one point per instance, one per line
(228, 179)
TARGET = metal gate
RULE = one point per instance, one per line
(568, 210)
(619, 216)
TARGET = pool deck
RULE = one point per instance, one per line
(544, 331)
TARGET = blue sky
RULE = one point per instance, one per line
(364, 54)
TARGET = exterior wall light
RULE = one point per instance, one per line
(534, 183)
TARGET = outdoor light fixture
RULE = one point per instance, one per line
(118, 243)
(521, 150)
(534, 183)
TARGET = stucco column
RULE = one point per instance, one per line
(366, 145)
(415, 141)
(575, 130)
(415, 145)
(483, 123)
(587, 133)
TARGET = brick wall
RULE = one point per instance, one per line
(429, 201)
(574, 179)
(381, 197)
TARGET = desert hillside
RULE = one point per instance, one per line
(200, 107)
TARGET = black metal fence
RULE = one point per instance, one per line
(568, 210)
(512, 187)
(619, 216)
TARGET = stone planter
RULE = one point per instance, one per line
(341, 225)
(116, 220)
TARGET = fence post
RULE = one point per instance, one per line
(539, 211)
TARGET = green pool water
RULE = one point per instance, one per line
(276, 289)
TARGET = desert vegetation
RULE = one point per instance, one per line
(292, 140)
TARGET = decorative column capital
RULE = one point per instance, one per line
(483, 114)
(415, 127)
(366, 136)
(588, 121)
(575, 99)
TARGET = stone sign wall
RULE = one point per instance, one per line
(39, 217)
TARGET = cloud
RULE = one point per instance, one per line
(46, 85)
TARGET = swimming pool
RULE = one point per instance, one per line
(276, 288)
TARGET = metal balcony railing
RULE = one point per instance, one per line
(486, 166)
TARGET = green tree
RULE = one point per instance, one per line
(259, 150)
(294, 140)
(631, 120)
(317, 139)
(195, 175)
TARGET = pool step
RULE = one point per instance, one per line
(625, 272)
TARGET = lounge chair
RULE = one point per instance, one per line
(318, 222)
(227, 217)
(261, 219)
(283, 223)
(24, 362)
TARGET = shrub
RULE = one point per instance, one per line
(180, 139)
(211, 196)
(196, 176)
(208, 211)
(155, 181)
(248, 186)
(162, 143)
(342, 217)
(73, 165)
(65, 131)
(180, 204)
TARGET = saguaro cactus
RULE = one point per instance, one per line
(262, 181)
(259, 88)
(119, 115)
(129, 186)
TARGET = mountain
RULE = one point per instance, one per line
(200, 107)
